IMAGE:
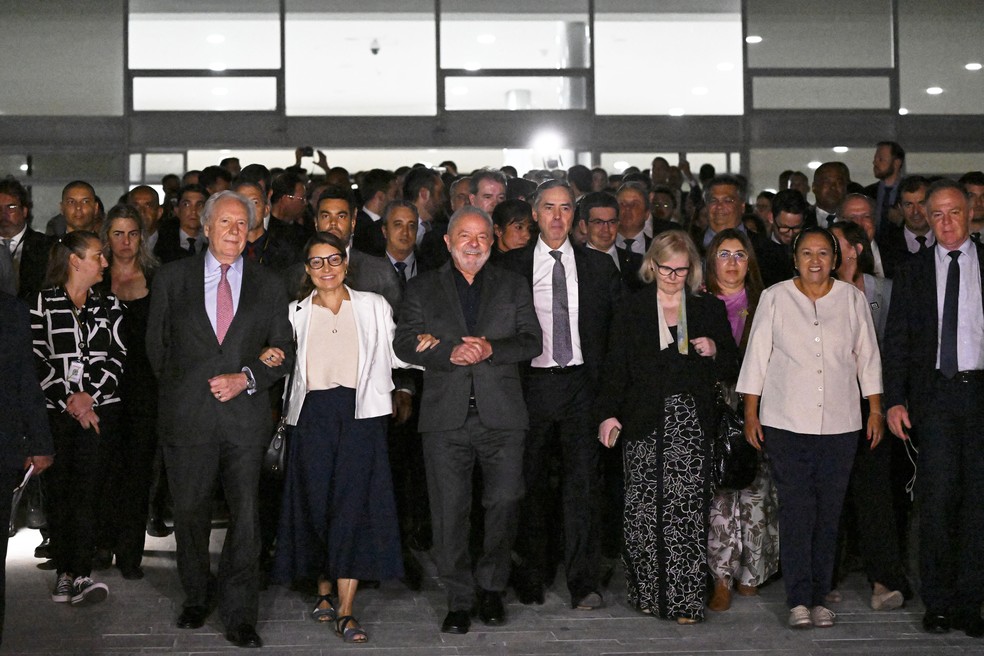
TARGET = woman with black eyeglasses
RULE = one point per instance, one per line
(743, 539)
(338, 520)
(669, 346)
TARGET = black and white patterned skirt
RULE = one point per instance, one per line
(666, 505)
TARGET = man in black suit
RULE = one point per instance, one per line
(633, 202)
(934, 383)
(210, 317)
(378, 188)
(182, 237)
(25, 438)
(725, 197)
(575, 290)
(597, 213)
(28, 248)
(470, 326)
(273, 251)
(830, 182)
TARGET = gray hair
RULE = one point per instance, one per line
(546, 185)
(848, 198)
(469, 210)
(214, 199)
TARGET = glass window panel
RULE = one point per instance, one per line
(821, 93)
(646, 63)
(936, 42)
(829, 34)
(379, 64)
(91, 167)
(514, 93)
(949, 164)
(767, 163)
(176, 35)
(160, 164)
(204, 93)
(475, 37)
(13, 165)
(136, 167)
(61, 60)
(618, 162)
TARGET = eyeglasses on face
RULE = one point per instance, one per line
(786, 229)
(737, 256)
(335, 259)
(599, 223)
(670, 272)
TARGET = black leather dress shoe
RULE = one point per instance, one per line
(132, 573)
(456, 621)
(43, 550)
(969, 622)
(192, 617)
(244, 635)
(935, 622)
(490, 609)
(156, 528)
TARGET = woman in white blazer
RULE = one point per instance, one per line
(338, 519)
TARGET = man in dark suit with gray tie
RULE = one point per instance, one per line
(211, 316)
(933, 361)
(470, 326)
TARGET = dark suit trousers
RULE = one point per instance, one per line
(450, 457)
(193, 472)
(132, 495)
(74, 483)
(559, 406)
(10, 477)
(950, 489)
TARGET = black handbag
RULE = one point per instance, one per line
(275, 457)
(734, 462)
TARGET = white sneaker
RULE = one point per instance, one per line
(823, 618)
(887, 600)
(63, 589)
(85, 589)
(799, 618)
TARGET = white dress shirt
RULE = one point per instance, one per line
(411, 263)
(638, 243)
(970, 315)
(543, 263)
(912, 244)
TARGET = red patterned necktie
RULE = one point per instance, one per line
(223, 305)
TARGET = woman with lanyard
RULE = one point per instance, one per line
(80, 356)
(669, 346)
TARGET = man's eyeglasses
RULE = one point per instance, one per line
(786, 229)
(335, 259)
(598, 223)
(737, 256)
(671, 273)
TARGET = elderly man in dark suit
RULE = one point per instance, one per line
(25, 438)
(470, 326)
(211, 315)
(575, 290)
(934, 385)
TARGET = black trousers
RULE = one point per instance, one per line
(450, 458)
(193, 472)
(74, 485)
(138, 447)
(10, 477)
(950, 489)
(561, 427)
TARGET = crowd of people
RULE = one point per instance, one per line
(515, 373)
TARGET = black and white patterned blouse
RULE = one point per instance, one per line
(90, 336)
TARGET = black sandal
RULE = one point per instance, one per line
(355, 634)
(320, 614)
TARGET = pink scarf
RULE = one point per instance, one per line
(737, 306)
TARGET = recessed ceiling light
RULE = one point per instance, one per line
(840, 149)
(934, 91)
(621, 165)
(215, 39)
(973, 66)
(23, 167)
(486, 39)
(699, 91)
(725, 66)
(217, 66)
(220, 91)
(675, 111)
(472, 66)
(459, 91)
(814, 165)
(753, 39)
(903, 111)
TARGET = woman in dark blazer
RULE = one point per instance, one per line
(669, 346)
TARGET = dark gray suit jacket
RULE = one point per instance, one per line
(506, 318)
(184, 353)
